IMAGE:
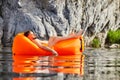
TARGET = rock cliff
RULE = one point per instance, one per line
(58, 17)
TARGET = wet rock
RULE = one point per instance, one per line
(1, 29)
(114, 46)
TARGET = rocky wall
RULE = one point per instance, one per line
(58, 17)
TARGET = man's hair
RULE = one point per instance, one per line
(26, 33)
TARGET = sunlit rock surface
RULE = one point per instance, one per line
(58, 17)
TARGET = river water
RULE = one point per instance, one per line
(94, 64)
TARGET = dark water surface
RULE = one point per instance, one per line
(94, 64)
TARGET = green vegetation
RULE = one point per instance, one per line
(113, 37)
(96, 43)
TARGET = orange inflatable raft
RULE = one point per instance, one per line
(22, 45)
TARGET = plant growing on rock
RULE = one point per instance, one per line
(95, 43)
(113, 37)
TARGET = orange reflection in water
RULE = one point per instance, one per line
(25, 78)
(60, 64)
(69, 64)
(30, 64)
(24, 64)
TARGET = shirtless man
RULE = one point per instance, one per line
(51, 41)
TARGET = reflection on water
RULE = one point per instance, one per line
(97, 64)
(102, 64)
(5, 65)
(22, 67)
(48, 64)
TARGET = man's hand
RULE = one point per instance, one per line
(54, 52)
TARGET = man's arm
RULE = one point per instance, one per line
(46, 42)
(38, 43)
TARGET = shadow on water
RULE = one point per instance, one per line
(22, 67)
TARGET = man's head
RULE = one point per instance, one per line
(26, 33)
(29, 34)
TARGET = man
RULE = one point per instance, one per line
(51, 42)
